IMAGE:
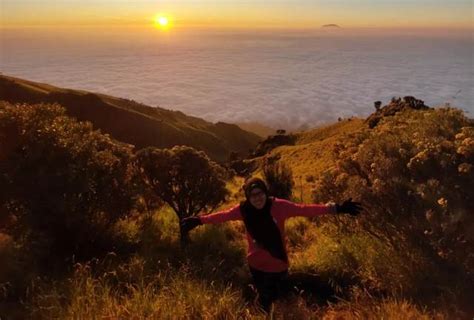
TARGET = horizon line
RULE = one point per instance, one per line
(243, 27)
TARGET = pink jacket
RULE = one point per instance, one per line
(281, 209)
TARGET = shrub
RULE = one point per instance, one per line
(411, 173)
(63, 183)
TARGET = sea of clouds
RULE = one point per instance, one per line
(281, 79)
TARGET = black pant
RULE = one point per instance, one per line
(269, 285)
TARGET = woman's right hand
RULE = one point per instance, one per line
(188, 224)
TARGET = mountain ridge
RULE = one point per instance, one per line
(135, 123)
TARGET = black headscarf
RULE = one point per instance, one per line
(259, 222)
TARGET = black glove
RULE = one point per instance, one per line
(350, 207)
(188, 224)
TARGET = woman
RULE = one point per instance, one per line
(264, 218)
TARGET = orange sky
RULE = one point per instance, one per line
(248, 14)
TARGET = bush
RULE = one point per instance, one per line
(412, 174)
(63, 184)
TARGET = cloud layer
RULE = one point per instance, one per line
(281, 80)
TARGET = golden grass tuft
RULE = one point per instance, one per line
(167, 294)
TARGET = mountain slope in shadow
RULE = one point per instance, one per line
(133, 122)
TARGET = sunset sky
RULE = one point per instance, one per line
(249, 14)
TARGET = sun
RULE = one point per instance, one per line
(162, 22)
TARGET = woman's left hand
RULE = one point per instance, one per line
(350, 207)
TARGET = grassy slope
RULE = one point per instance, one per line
(312, 153)
(209, 280)
(132, 122)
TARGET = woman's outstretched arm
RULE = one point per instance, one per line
(188, 224)
(222, 216)
(291, 209)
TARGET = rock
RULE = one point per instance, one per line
(395, 105)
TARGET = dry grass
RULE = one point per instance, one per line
(167, 294)
(387, 309)
(208, 280)
(130, 293)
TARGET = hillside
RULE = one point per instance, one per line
(257, 128)
(133, 122)
(307, 153)
(70, 191)
(310, 153)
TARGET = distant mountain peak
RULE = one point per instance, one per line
(331, 25)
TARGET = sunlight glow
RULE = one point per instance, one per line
(162, 22)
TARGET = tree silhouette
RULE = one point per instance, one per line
(186, 179)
